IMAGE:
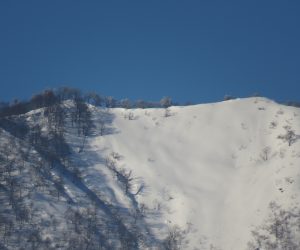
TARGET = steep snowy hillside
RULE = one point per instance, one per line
(209, 176)
(211, 169)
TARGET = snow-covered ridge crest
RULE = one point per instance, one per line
(182, 177)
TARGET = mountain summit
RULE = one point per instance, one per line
(212, 176)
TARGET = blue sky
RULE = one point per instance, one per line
(190, 50)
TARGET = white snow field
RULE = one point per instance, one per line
(193, 177)
(210, 169)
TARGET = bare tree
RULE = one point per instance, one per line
(140, 104)
(167, 112)
(265, 153)
(125, 103)
(175, 239)
(280, 231)
(93, 98)
(67, 93)
(102, 128)
(110, 102)
(129, 116)
(125, 177)
(166, 102)
(290, 136)
(228, 97)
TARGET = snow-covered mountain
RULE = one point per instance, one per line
(193, 177)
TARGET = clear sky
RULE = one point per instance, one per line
(144, 49)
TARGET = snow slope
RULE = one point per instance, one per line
(203, 166)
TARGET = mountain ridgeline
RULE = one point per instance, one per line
(90, 172)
